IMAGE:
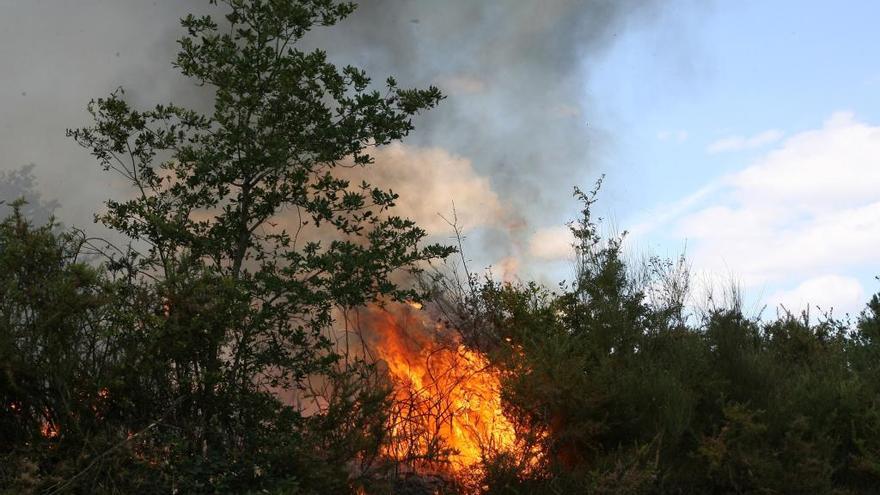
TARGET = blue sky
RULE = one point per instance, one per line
(738, 81)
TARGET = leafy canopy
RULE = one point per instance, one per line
(246, 240)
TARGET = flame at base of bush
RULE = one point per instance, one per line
(446, 412)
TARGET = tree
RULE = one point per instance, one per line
(47, 301)
(245, 241)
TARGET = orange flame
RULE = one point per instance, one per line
(49, 430)
(447, 398)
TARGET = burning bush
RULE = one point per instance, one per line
(446, 413)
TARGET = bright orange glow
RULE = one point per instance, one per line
(446, 396)
(49, 430)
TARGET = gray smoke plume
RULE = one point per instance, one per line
(55, 56)
(18, 188)
(516, 73)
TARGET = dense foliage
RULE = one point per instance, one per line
(186, 364)
(622, 390)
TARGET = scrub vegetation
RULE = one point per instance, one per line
(186, 359)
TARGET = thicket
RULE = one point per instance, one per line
(183, 362)
(617, 385)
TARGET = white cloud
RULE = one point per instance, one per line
(552, 243)
(807, 209)
(739, 143)
(836, 165)
(843, 294)
(770, 243)
(667, 212)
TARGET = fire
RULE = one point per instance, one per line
(447, 399)
(49, 430)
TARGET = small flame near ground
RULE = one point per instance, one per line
(446, 398)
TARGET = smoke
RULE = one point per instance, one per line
(57, 55)
(20, 185)
(516, 122)
(427, 180)
(516, 74)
